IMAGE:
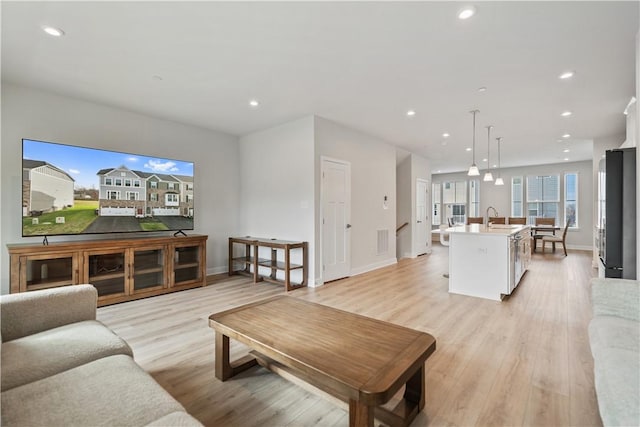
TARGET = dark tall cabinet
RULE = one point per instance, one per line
(618, 245)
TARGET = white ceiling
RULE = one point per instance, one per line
(361, 64)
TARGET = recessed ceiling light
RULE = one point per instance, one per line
(52, 31)
(495, 166)
(411, 113)
(566, 135)
(566, 150)
(445, 135)
(566, 75)
(468, 149)
(484, 160)
(254, 103)
(438, 171)
(566, 113)
(566, 159)
(466, 12)
(482, 89)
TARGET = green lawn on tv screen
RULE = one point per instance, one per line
(76, 219)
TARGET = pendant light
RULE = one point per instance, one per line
(488, 176)
(499, 180)
(473, 170)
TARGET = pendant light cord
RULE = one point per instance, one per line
(499, 140)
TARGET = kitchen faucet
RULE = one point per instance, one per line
(495, 213)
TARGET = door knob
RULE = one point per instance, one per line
(419, 222)
(348, 225)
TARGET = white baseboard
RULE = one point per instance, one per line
(217, 270)
(374, 266)
(577, 247)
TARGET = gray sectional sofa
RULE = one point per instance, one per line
(62, 367)
(614, 336)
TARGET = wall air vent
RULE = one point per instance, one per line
(383, 242)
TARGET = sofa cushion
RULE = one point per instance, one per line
(617, 381)
(47, 353)
(611, 332)
(113, 391)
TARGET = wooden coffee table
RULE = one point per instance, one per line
(360, 360)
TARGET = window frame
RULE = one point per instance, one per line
(576, 223)
(521, 201)
(542, 202)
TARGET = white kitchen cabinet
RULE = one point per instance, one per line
(487, 262)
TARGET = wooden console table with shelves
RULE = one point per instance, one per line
(250, 263)
(120, 269)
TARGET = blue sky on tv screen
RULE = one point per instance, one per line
(82, 164)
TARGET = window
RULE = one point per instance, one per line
(454, 198)
(113, 195)
(171, 186)
(188, 198)
(571, 199)
(136, 183)
(119, 182)
(516, 196)
(127, 182)
(171, 199)
(153, 197)
(474, 197)
(153, 184)
(108, 181)
(543, 197)
(436, 192)
(132, 195)
(189, 187)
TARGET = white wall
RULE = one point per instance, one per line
(404, 240)
(30, 113)
(373, 176)
(500, 196)
(277, 185)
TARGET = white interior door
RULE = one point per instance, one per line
(336, 213)
(421, 233)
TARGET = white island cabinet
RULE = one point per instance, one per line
(488, 262)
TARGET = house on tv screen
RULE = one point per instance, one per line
(126, 192)
(46, 188)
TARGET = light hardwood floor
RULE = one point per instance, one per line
(523, 361)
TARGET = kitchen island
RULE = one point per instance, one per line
(488, 262)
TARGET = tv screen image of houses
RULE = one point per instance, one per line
(79, 190)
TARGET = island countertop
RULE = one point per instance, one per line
(495, 229)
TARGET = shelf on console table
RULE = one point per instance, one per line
(120, 269)
(251, 261)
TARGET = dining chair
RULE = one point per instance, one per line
(539, 234)
(475, 220)
(520, 220)
(557, 239)
(496, 219)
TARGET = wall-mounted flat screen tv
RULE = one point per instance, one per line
(79, 190)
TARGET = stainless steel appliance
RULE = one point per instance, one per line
(617, 234)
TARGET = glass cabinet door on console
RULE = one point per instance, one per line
(187, 264)
(108, 272)
(48, 271)
(149, 265)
